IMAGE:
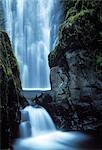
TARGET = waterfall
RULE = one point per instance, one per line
(38, 132)
(37, 120)
(32, 28)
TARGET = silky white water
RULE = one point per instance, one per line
(37, 119)
(32, 27)
(38, 132)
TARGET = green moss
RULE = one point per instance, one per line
(72, 19)
(9, 72)
(99, 60)
(80, 29)
(16, 62)
(100, 34)
(2, 67)
(6, 70)
(69, 12)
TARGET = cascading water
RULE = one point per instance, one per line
(38, 132)
(38, 121)
(32, 29)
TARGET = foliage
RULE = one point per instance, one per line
(8, 62)
(72, 19)
(82, 23)
(99, 62)
(81, 29)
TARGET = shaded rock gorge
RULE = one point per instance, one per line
(10, 87)
(10, 97)
(75, 99)
(76, 69)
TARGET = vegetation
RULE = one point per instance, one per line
(82, 27)
(8, 63)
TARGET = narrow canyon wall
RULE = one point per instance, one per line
(10, 87)
(75, 101)
(76, 68)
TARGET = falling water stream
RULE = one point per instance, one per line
(39, 121)
(32, 27)
(38, 132)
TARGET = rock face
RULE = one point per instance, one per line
(10, 87)
(76, 68)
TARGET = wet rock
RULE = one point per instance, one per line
(59, 82)
(75, 74)
(10, 87)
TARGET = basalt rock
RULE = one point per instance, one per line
(76, 68)
(10, 87)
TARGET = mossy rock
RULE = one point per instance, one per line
(81, 28)
(10, 86)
